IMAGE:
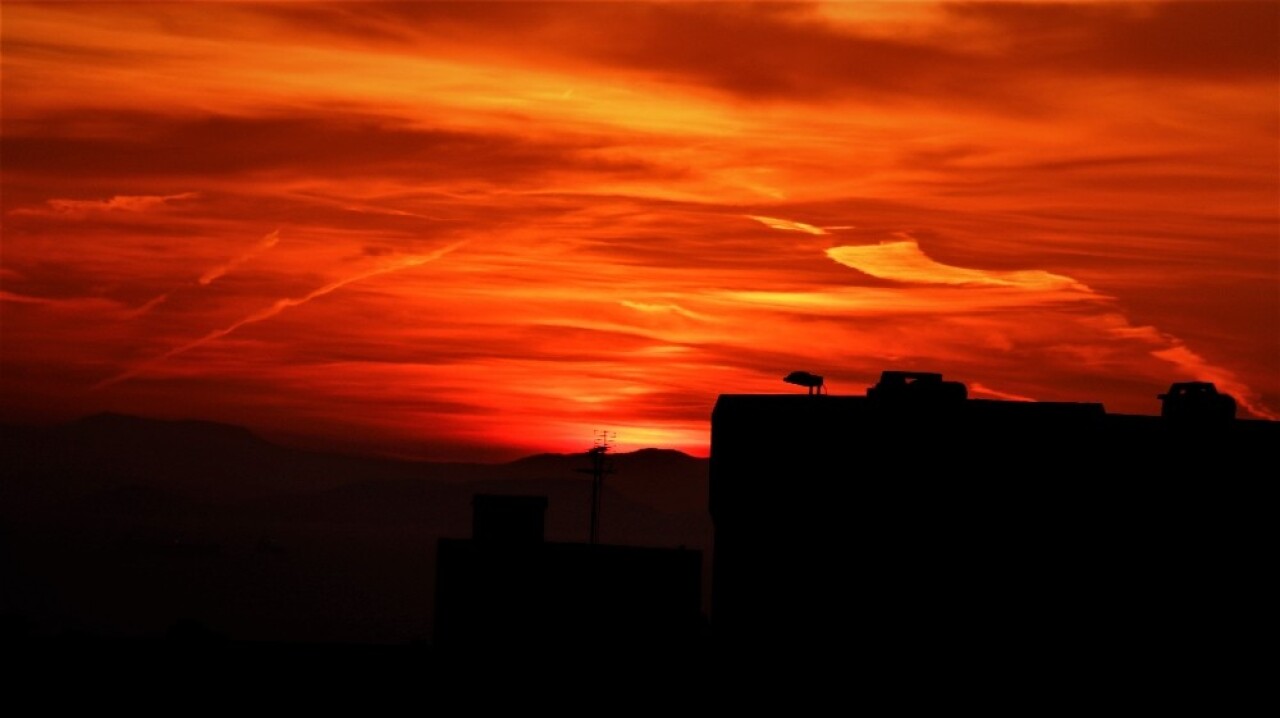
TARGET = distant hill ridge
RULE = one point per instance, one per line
(215, 461)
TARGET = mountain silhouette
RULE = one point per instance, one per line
(225, 463)
(664, 479)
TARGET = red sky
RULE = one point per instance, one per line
(478, 230)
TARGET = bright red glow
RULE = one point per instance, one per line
(477, 230)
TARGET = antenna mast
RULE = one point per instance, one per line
(600, 467)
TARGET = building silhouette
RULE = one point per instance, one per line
(915, 521)
(508, 589)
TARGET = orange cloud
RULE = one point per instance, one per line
(119, 203)
(903, 261)
(1067, 201)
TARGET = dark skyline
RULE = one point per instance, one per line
(824, 507)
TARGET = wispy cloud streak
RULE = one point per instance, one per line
(147, 306)
(904, 261)
(666, 308)
(118, 203)
(263, 245)
(788, 225)
(277, 307)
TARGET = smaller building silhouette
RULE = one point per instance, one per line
(508, 588)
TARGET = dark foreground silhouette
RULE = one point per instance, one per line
(116, 528)
(916, 522)
(918, 528)
(508, 589)
(909, 525)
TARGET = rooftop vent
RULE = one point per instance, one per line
(916, 386)
(1196, 401)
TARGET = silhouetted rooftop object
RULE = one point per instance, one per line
(1196, 401)
(916, 386)
(812, 382)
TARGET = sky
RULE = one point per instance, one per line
(474, 231)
